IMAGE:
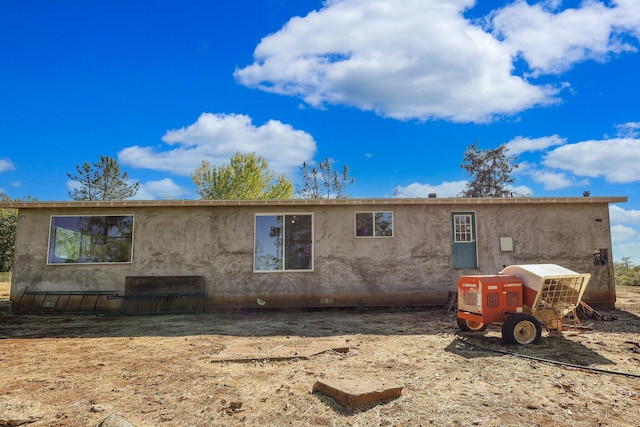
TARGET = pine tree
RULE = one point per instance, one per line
(491, 172)
(102, 181)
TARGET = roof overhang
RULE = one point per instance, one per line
(311, 202)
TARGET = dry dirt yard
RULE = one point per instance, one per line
(166, 370)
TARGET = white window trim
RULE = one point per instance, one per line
(313, 247)
(355, 225)
(471, 233)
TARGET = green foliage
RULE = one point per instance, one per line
(324, 182)
(8, 221)
(102, 181)
(8, 224)
(246, 177)
(490, 171)
(626, 273)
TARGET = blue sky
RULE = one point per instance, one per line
(396, 90)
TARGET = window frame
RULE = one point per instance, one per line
(51, 244)
(459, 232)
(373, 225)
(464, 245)
(284, 215)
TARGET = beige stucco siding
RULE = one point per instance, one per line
(414, 267)
(560, 234)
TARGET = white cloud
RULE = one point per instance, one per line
(522, 190)
(524, 168)
(422, 59)
(549, 178)
(628, 249)
(619, 215)
(402, 59)
(162, 189)
(624, 232)
(72, 185)
(217, 137)
(620, 233)
(446, 189)
(6, 165)
(553, 180)
(628, 130)
(552, 41)
(616, 159)
(521, 144)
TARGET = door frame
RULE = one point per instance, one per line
(464, 242)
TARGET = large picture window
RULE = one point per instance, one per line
(374, 224)
(283, 242)
(90, 239)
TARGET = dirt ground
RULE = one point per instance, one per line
(170, 370)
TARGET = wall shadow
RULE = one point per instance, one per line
(240, 323)
(265, 323)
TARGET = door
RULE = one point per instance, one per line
(464, 240)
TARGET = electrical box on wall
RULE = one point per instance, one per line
(506, 244)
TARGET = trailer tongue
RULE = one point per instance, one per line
(523, 298)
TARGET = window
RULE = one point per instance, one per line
(374, 224)
(462, 228)
(283, 243)
(90, 239)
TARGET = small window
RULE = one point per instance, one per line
(283, 243)
(374, 224)
(463, 230)
(90, 239)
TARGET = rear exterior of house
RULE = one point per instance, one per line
(309, 253)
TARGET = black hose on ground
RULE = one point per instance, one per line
(554, 362)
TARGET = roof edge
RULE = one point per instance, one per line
(310, 202)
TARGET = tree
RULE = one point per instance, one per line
(102, 181)
(626, 273)
(324, 181)
(245, 177)
(491, 172)
(8, 223)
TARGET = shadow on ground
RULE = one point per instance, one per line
(308, 323)
(555, 348)
(265, 322)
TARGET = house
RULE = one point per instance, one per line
(307, 253)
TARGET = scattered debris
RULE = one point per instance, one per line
(452, 302)
(17, 414)
(115, 420)
(277, 350)
(231, 408)
(633, 343)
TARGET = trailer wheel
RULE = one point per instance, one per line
(521, 329)
(466, 325)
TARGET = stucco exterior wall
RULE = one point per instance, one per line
(414, 267)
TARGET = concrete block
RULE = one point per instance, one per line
(356, 394)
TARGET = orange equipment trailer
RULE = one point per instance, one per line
(522, 298)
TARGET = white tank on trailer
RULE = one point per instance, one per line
(556, 289)
(533, 275)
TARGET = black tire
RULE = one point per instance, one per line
(470, 325)
(521, 329)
